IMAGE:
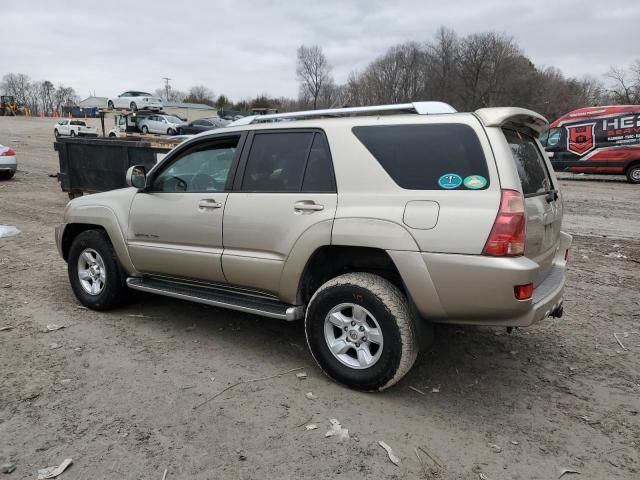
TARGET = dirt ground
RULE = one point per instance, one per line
(116, 391)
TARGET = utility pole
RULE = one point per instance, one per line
(166, 87)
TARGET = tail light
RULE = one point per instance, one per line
(523, 292)
(508, 233)
(9, 152)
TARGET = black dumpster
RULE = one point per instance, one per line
(100, 164)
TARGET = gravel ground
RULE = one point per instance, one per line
(117, 391)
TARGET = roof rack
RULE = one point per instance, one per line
(421, 108)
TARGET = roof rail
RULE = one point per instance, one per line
(421, 108)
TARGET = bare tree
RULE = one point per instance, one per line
(17, 85)
(170, 94)
(442, 57)
(63, 97)
(626, 84)
(201, 94)
(46, 91)
(313, 71)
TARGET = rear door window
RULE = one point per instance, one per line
(530, 164)
(277, 161)
(318, 176)
(426, 157)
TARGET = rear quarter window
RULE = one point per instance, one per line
(418, 157)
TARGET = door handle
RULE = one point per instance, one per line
(209, 203)
(307, 205)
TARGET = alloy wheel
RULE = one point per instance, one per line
(91, 272)
(353, 335)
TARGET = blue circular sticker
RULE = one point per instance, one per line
(450, 180)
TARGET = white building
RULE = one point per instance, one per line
(190, 111)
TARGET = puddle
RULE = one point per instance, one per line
(8, 231)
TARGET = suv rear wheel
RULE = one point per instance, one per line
(633, 173)
(360, 329)
(94, 272)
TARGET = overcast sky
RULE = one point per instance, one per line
(245, 47)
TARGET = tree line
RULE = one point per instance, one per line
(37, 96)
(485, 69)
(479, 70)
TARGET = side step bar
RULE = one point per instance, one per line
(218, 297)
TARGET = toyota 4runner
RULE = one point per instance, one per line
(368, 223)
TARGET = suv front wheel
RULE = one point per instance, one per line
(94, 272)
(361, 331)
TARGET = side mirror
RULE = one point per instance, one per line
(137, 176)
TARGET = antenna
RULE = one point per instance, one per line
(167, 87)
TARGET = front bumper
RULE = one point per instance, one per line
(59, 235)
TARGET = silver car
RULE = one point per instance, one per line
(8, 163)
(163, 124)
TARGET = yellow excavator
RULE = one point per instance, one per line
(8, 106)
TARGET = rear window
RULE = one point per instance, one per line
(428, 157)
(532, 170)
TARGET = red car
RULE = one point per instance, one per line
(602, 140)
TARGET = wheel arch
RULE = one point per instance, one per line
(97, 218)
(632, 164)
(330, 261)
(363, 235)
(627, 171)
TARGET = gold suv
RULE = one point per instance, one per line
(368, 223)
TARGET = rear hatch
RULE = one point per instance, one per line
(542, 202)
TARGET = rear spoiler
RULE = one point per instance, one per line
(513, 117)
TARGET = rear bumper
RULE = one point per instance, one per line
(8, 164)
(478, 290)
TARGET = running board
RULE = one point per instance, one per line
(218, 297)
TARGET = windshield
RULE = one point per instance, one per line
(554, 137)
(171, 119)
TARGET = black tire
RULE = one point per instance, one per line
(110, 105)
(144, 129)
(633, 173)
(6, 175)
(74, 194)
(171, 131)
(114, 292)
(133, 106)
(56, 133)
(112, 135)
(394, 316)
(73, 133)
